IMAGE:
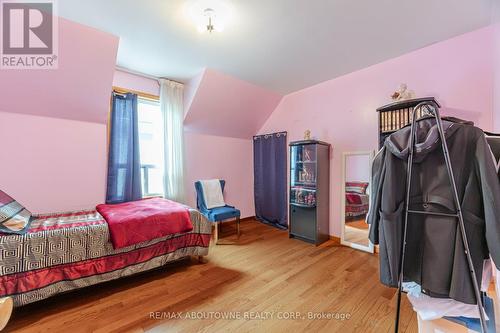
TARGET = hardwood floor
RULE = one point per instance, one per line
(266, 274)
(355, 235)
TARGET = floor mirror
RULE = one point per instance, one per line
(356, 174)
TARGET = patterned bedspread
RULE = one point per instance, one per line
(71, 250)
(357, 205)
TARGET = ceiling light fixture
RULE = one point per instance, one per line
(209, 15)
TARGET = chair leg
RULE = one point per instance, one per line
(216, 233)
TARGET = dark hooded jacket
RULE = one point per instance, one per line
(435, 256)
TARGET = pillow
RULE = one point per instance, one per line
(14, 218)
(356, 187)
(353, 198)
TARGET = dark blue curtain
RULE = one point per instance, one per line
(269, 162)
(124, 167)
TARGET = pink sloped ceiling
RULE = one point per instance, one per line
(53, 124)
(226, 106)
(78, 90)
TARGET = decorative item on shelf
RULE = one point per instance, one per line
(307, 135)
(303, 196)
(300, 197)
(403, 93)
(307, 155)
(310, 199)
(307, 175)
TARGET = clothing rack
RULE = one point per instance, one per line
(432, 108)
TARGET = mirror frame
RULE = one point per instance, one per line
(370, 248)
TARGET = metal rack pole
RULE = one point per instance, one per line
(433, 109)
(407, 206)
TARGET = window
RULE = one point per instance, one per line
(151, 146)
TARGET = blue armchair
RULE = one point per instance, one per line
(217, 214)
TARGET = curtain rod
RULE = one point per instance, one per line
(265, 136)
(148, 76)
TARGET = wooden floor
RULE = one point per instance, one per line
(355, 235)
(266, 275)
(359, 224)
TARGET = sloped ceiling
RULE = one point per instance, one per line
(79, 89)
(225, 106)
(281, 45)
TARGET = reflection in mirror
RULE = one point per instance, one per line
(356, 199)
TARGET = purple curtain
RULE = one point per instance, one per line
(124, 167)
(269, 153)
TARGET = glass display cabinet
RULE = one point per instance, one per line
(309, 190)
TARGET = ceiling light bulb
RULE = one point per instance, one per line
(209, 15)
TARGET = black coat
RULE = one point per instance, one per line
(435, 256)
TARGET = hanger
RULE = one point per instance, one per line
(491, 133)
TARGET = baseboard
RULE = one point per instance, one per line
(242, 219)
(335, 239)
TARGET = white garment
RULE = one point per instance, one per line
(496, 275)
(172, 108)
(212, 193)
(430, 308)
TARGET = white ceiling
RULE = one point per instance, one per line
(282, 45)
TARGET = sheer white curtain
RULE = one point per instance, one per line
(172, 108)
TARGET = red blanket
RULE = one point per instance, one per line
(139, 221)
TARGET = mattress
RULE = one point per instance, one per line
(66, 251)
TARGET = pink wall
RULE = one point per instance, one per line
(126, 80)
(459, 72)
(52, 165)
(216, 157)
(209, 156)
(496, 88)
(52, 124)
(227, 106)
(357, 168)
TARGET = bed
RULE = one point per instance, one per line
(357, 201)
(66, 251)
